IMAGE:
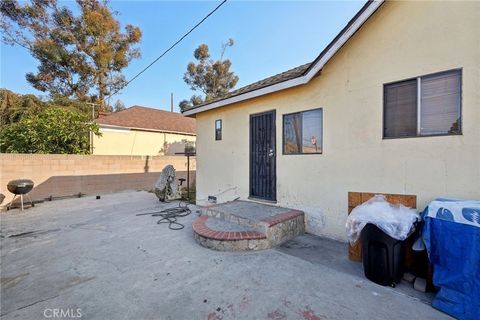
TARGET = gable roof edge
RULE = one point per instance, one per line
(353, 25)
(112, 126)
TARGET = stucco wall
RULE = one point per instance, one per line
(402, 40)
(118, 141)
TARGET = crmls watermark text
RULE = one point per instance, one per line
(59, 313)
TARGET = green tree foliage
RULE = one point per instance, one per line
(54, 130)
(14, 106)
(82, 106)
(212, 77)
(80, 55)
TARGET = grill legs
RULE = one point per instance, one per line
(11, 202)
(29, 199)
(21, 201)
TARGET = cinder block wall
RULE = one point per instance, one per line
(64, 175)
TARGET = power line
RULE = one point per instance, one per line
(170, 48)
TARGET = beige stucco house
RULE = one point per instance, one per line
(392, 105)
(143, 131)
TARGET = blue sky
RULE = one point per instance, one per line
(270, 37)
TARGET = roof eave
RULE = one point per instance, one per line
(248, 95)
(366, 12)
(112, 126)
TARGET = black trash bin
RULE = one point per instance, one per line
(383, 256)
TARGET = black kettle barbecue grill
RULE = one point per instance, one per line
(20, 187)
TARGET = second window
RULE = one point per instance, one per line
(302, 132)
(424, 106)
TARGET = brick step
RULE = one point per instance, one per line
(245, 225)
(251, 214)
(227, 236)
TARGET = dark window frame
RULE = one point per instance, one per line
(283, 133)
(218, 132)
(419, 135)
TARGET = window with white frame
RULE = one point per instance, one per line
(423, 106)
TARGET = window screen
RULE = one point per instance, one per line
(302, 132)
(440, 104)
(400, 114)
(427, 105)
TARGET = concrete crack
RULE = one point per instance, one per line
(29, 305)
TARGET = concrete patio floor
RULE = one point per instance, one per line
(97, 256)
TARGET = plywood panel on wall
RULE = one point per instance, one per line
(357, 198)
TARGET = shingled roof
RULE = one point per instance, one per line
(138, 117)
(284, 76)
(296, 76)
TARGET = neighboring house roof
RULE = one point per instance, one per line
(296, 76)
(143, 118)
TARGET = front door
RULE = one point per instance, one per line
(263, 179)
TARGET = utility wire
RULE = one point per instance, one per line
(170, 48)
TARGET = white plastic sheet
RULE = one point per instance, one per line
(394, 220)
